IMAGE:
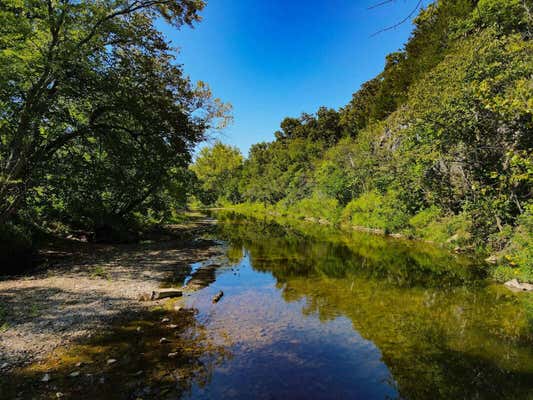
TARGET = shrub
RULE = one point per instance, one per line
(374, 210)
(518, 255)
(318, 207)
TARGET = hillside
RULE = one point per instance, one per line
(437, 147)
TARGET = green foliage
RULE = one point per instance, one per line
(98, 122)
(518, 255)
(437, 146)
(374, 210)
(218, 168)
(317, 208)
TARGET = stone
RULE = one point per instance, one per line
(217, 297)
(75, 374)
(111, 361)
(515, 285)
(165, 293)
(164, 340)
(178, 307)
(78, 365)
(173, 326)
(172, 355)
(165, 320)
(4, 366)
(59, 395)
(145, 297)
(46, 378)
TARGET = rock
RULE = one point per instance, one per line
(178, 307)
(164, 340)
(4, 366)
(59, 395)
(75, 374)
(173, 326)
(172, 355)
(164, 293)
(145, 297)
(138, 373)
(111, 361)
(515, 285)
(46, 378)
(217, 297)
(139, 329)
(165, 320)
(493, 259)
(78, 365)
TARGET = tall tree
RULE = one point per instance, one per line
(96, 74)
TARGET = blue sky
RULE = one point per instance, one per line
(271, 59)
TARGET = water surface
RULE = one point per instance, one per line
(322, 314)
(308, 312)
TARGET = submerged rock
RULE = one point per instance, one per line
(515, 285)
(218, 296)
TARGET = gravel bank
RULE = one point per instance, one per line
(87, 291)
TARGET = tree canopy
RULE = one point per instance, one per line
(98, 120)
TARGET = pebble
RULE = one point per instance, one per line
(4, 366)
(165, 320)
(164, 340)
(111, 361)
(79, 364)
(172, 355)
(46, 378)
(75, 374)
(173, 326)
(178, 308)
(59, 395)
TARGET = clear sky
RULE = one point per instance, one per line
(272, 59)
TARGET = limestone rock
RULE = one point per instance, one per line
(164, 293)
(515, 285)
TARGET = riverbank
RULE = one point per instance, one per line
(508, 264)
(82, 288)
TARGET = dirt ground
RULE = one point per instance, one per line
(88, 287)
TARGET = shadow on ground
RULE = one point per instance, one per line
(130, 361)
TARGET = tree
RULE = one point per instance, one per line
(96, 80)
(218, 168)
